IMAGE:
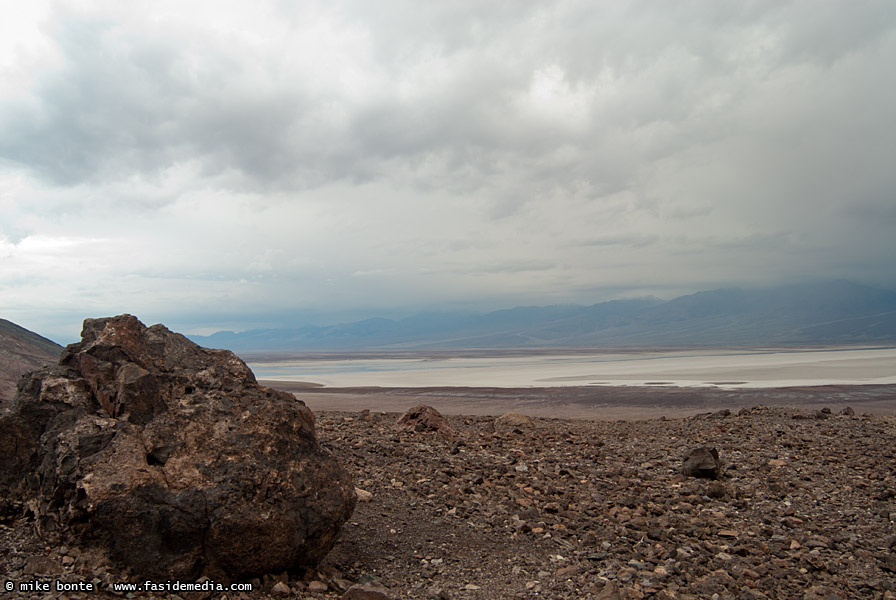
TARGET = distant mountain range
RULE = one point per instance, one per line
(22, 351)
(820, 313)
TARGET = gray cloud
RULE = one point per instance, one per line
(388, 156)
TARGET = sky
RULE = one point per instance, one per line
(231, 165)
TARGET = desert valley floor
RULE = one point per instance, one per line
(592, 505)
(591, 402)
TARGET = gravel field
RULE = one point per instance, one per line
(804, 507)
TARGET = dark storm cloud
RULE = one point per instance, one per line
(447, 85)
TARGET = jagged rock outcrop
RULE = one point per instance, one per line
(171, 457)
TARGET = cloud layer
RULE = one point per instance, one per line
(226, 165)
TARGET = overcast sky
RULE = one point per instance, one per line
(227, 165)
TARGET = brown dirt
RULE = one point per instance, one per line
(591, 402)
(587, 508)
(578, 509)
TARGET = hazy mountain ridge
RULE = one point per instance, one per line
(830, 312)
(22, 351)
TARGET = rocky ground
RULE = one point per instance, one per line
(804, 508)
(592, 402)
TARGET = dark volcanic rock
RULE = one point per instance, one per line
(426, 419)
(171, 457)
(702, 462)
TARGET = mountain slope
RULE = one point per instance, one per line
(830, 312)
(22, 351)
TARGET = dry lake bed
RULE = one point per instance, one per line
(622, 384)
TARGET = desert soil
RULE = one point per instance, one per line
(586, 507)
(591, 402)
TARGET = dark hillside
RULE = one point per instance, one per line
(835, 312)
(22, 351)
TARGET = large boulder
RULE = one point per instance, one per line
(171, 457)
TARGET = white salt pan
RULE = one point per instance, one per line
(685, 368)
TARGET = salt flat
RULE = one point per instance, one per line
(713, 368)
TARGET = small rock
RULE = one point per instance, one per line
(702, 462)
(716, 490)
(281, 589)
(888, 563)
(339, 583)
(791, 522)
(513, 422)
(437, 593)
(426, 419)
(367, 591)
(609, 592)
(42, 565)
(730, 533)
(848, 412)
(317, 586)
(819, 592)
(363, 495)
